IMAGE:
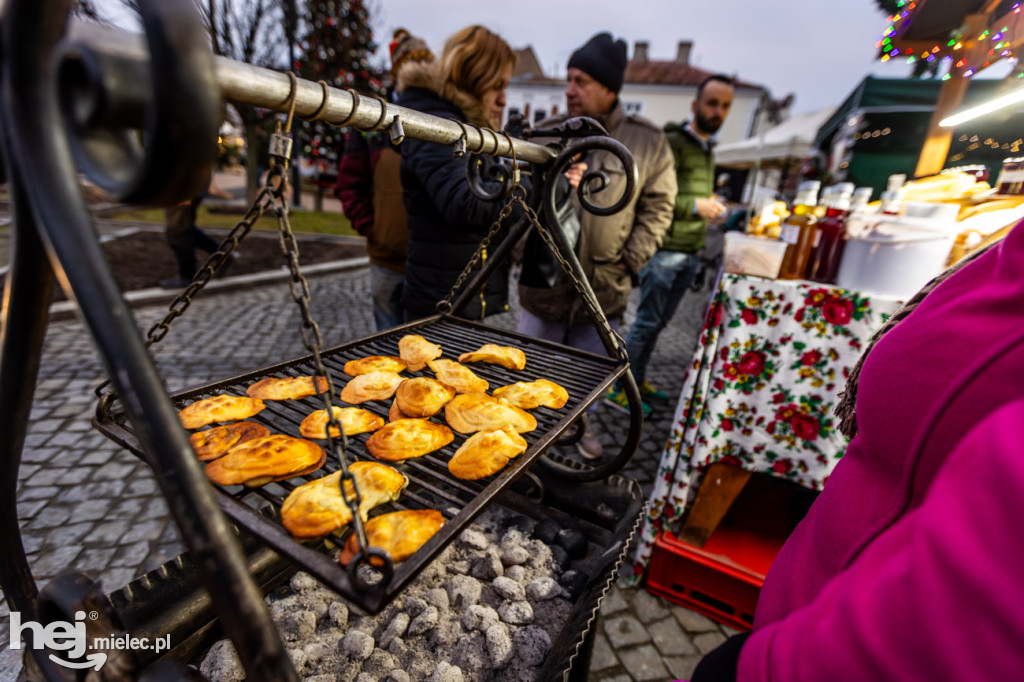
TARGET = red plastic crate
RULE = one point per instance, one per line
(722, 580)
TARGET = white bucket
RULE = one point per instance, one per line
(893, 256)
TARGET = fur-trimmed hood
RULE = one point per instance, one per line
(425, 75)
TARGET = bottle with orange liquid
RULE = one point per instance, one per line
(798, 231)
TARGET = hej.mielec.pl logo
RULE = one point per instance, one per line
(72, 638)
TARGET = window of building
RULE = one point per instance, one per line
(540, 115)
(633, 108)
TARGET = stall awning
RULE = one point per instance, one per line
(791, 139)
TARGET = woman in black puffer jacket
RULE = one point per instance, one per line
(446, 220)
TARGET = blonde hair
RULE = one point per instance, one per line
(474, 61)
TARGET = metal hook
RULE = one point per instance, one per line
(355, 108)
(293, 91)
(315, 116)
(459, 149)
(396, 131)
(383, 112)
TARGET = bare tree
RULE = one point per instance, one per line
(251, 31)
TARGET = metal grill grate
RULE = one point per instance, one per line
(584, 375)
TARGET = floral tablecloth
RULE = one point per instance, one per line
(760, 391)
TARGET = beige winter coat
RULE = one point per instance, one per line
(630, 237)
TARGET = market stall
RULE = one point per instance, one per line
(760, 390)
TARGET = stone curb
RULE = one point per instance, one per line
(63, 310)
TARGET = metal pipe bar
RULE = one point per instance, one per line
(257, 86)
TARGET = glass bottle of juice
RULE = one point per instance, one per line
(824, 262)
(798, 231)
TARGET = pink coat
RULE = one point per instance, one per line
(910, 565)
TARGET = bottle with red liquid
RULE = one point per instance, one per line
(832, 234)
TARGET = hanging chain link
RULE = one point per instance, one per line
(517, 195)
(271, 198)
(445, 305)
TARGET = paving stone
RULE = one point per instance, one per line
(63, 438)
(68, 534)
(109, 533)
(52, 515)
(681, 667)
(617, 678)
(95, 560)
(603, 657)
(670, 638)
(648, 607)
(144, 530)
(613, 602)
(706, 641)
(92, 510)
(114, 472)
(693, 621)
(131, 555)
(97, 458)
(28, 508)
(644, 663)
(115, 578)
(76, 476)
(47, 477)
(50, 562)
(625, 631)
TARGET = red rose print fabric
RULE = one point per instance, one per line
(771, 360)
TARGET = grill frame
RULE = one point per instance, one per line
(585, 375)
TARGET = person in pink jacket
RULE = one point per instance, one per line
(910, 564)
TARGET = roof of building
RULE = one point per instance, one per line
(639, 71)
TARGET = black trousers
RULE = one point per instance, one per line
(184, 237)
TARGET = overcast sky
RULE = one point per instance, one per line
(817, 49)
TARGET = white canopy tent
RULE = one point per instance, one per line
(793, 139)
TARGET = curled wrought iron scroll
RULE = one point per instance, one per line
(172, 99)
(593, 181)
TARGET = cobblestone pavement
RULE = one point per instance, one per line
(86, 504)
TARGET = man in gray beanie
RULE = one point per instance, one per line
(611, 249)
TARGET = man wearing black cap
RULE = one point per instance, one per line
(611, 249)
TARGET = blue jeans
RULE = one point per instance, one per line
(386, 288)
(663, 281)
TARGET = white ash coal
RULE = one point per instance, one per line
(488, 608)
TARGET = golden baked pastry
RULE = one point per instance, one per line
(317, 508)
(416, 351)
(219, 408)
(486, 453)
(506, 356)
(399, 533)
(375, 363)
(422, 397)
(215, 442)
(371, 386)
(286, 388)
(395, 413)
(532, 394)
(457, 376)
(353, 421)
(263, 460)
(408, 438)
(470, 412)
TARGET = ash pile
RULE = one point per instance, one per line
(488, 608)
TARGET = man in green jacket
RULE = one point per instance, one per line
(671, 271)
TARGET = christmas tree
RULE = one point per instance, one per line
(335, 45)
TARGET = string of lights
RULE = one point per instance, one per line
(1001, 39)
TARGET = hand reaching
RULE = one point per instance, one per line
(710, 208)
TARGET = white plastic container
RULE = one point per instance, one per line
(748, 255)
(893, 256)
